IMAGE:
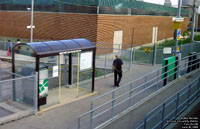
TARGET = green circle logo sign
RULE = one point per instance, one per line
(43, 88)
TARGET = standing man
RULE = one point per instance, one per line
(117, 68)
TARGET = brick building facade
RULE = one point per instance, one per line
(137, 30)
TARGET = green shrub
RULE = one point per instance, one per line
(186, 33)
(197, 37)
(143, 47)
(169, 43)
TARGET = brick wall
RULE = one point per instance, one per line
(48, 25)
(137, 30)
(137, 27)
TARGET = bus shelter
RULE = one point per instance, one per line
(66, 68)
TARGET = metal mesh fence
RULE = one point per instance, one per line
(138, 8)
(106, 54)
(90, 6)
(76, 6)
(139, 56)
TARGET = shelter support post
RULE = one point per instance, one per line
(70, 69)
(37, 70)
(77, 85)
(60, 69)
(93, 65)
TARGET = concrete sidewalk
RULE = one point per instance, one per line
(66, 116)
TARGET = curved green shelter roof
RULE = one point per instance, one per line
(55, 47)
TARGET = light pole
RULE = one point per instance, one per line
(32, 6)
(193, 24)
(178, 15)
(176, 31)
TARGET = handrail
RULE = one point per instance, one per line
(157, 78)
(142, 77)
(98, 97)
(174, 98)
(157, 109)
(24, 77)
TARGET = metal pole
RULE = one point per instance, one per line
(155, 30)
(193, 24)
(178, 15)
(78, 75)
(32, 6)
(134, 55)
(131, 56)
(179, 8)
(145, 79)
(97, 3)
(197, 20)
(70, 70)
(113, 103)
(93, 65)
(130, 94)
(145, 122)
(176, 43)
(119, 49)
(91, 114)
(163, 115)
(60, 69)
(176, 111)
(79, 122)
(157, 77)
(185, 69)
(105, 65)
(155, 49)
(130, 59)
(36, 93)
(97, 10)
(198, 89)
(188, 99)
(0, 70)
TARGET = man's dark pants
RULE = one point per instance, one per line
(119, 74)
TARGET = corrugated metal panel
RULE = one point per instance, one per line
(187, 2)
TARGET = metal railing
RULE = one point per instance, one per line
(106, 54)
(168, 111)
(131, 54)
(20, 90)
(128, 53)
(105, 107)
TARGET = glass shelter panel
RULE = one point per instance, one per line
(82, 72)
(24, 60)
(48, 80)
(67, 93)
